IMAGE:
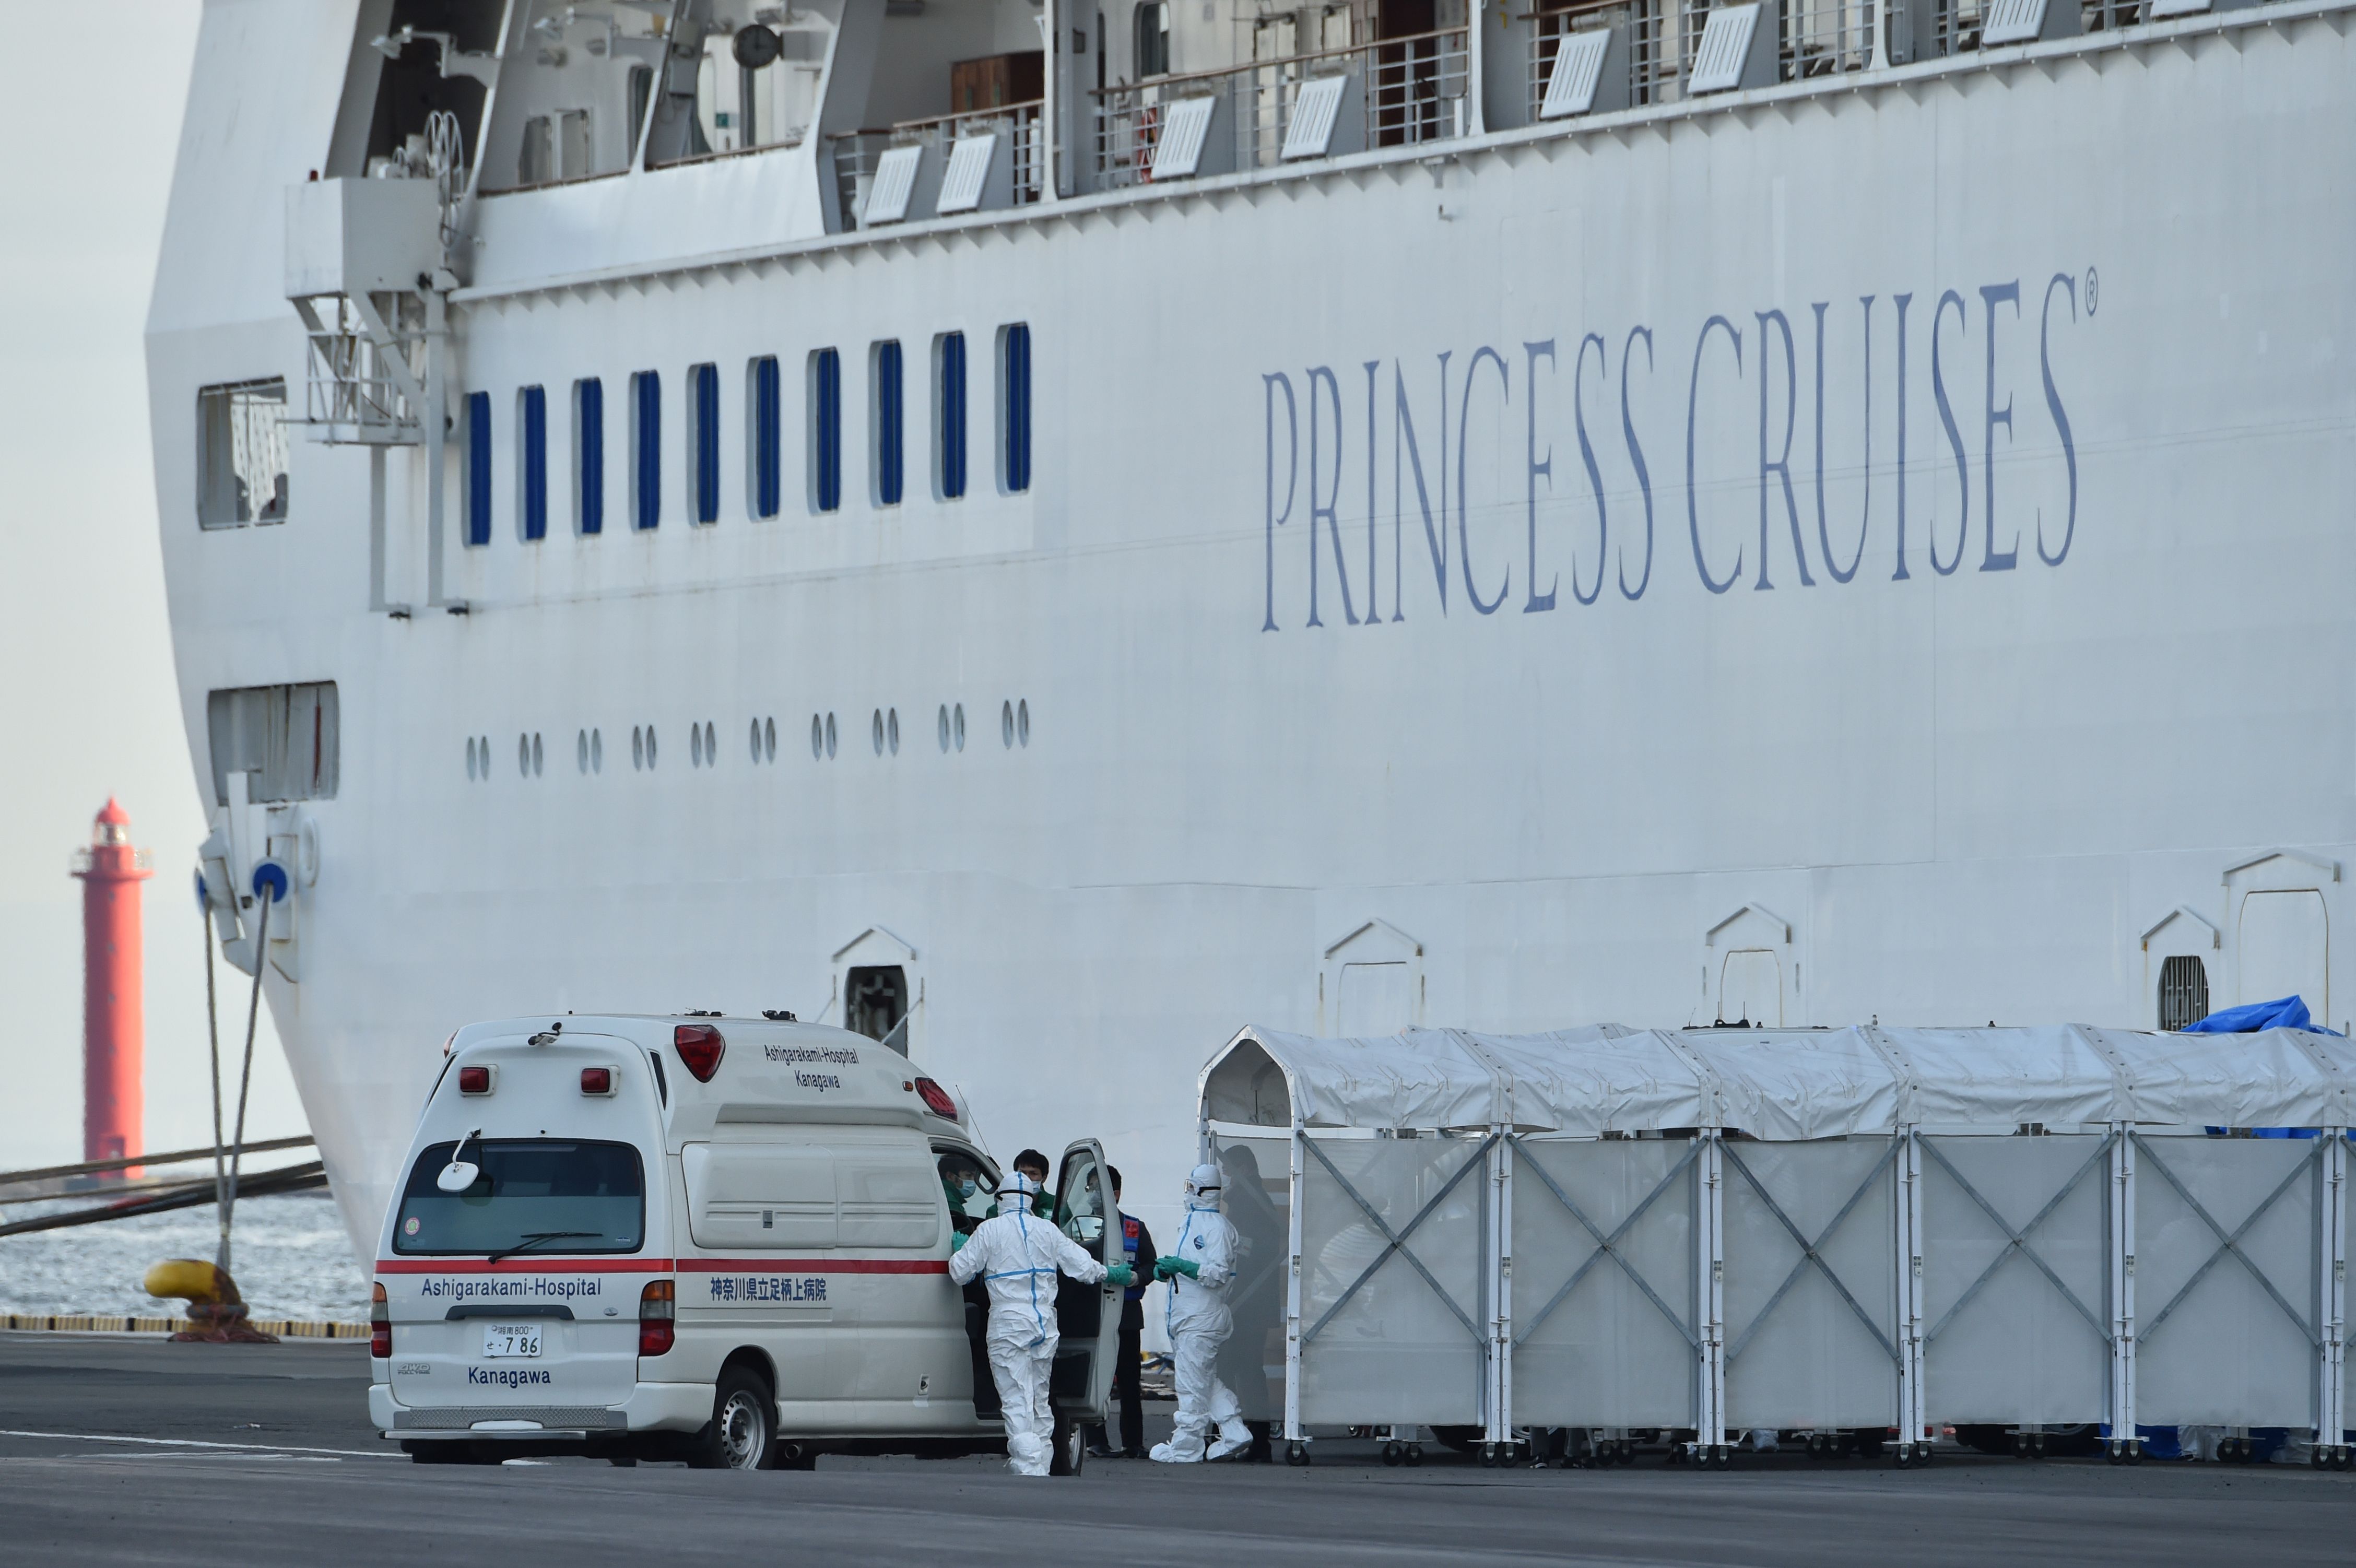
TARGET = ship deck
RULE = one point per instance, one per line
(123, 1449)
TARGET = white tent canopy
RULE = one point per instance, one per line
(1783, 1084)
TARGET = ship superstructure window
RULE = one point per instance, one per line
(703, 435)
(825, 430)
(241, 454)
(764, 437)
(478, 467)
(285, 737)
(887, 420)
(1153, 32)
(589, 456)
(1014, 407)
(2183, 992)
(531, 462)
(876, 1004)
(646, 449)
(948, 415)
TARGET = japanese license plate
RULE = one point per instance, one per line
(501, 1340)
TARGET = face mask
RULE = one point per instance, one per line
(965, 1187)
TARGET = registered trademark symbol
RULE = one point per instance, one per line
(2094, 290)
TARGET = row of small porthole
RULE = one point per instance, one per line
(703, 740)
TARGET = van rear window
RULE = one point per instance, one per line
(533, 1194)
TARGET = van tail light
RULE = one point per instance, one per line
(655, 1327)
(474, 1081)
(936, 1098)
(379, 1323)
(596, 1080)
(699, 1047)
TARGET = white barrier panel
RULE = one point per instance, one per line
(1392, 1280)
(2225, 1280)
(2015, 1278)
(1604, 1330)
(1259, 1201)
(1810, 1283)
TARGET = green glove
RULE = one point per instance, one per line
(1165, 1267)
(956, 1239)
(1122, 1274)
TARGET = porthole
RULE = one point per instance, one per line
(756, 740)
(470, 757)
(956, 724)
(637, 748)
(892, 729)
(597, 752)
(769, 739)
(581, 750)
(651, 748)
(829, 734)
(1023, 721)
(523, 755)
(945, 727)
(817, 738)
(537, 755)
(1006, 725)
(878, 727)
(694, 745)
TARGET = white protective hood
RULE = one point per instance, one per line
(1783, 1084)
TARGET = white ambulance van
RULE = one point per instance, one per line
(718, 1239)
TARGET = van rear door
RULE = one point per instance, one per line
(1087, 1317)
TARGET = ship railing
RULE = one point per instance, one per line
(364, 369)
(857, 153)
(1819, 38)
(1400, 91)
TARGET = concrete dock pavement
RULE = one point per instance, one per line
(128, 1451)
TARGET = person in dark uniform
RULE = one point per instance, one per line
(1139, 1242)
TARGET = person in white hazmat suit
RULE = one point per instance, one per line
(1018, 1254)
(1199, 1268)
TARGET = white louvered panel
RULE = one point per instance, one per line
(895, 181)
(1725, 46)
(2160, 10)
(969, 168)
(2013, 22)
(1184, 126)
(1314, 112)
(1577, 67)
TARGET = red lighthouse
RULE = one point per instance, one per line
(114, 1026)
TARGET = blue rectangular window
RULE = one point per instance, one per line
(948, 439)
(531, 461)
(1014, 406)
(826, 430)
(889, 424)
(703, 382)
(478, 467)
(646, 449)
(767, 436)
(589, 454)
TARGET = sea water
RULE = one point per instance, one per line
(291, 1260)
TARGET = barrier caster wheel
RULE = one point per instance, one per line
(1414, 1454)
(2113, 1451)
(1392, 1454)
(1488, 1456)
(1296, 1454)
(2341, 1458)
(1906, 1455)
(2021, 1445)
(2135, 1452)
(2036, 1446)
(1627, 1452)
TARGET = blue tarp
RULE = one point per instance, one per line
(2282, 1013)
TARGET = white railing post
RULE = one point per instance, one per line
(2123, 1319)
(1293, 1433)
(1476, 56)
(1501, 1289)
(1709, 1230)
(2332, 1325)
(1913, 1406)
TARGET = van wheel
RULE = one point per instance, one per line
(1069, 1448)
(744, 1425)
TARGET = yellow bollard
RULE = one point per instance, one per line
(217, 1313)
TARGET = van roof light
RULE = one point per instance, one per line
(699, 1048)
(548, 1036)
